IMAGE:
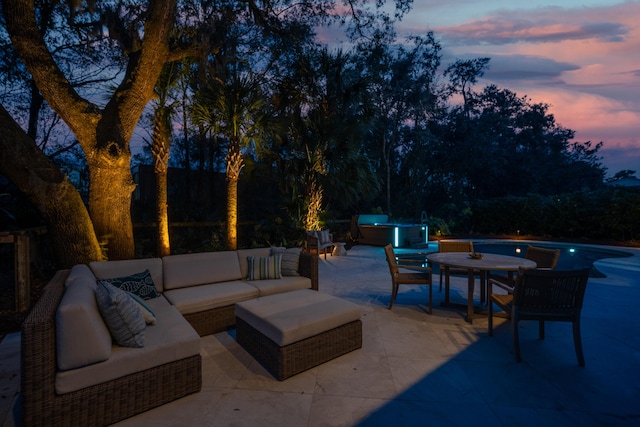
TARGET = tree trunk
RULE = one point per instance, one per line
(110, 206)
(164, 245)
(234, 167)
(232, 214)
(70, 228)
(34, 110)
(103, 135)
(314, 204)
(161, 143)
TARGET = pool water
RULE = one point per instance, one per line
(572, 257)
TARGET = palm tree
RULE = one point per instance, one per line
(233, 110)
(161, 148)
(321, 153)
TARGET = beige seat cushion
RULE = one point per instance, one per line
(206, 297)
(293, 316)
(284, 284)
(171, 338)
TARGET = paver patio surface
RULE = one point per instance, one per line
(417, 369)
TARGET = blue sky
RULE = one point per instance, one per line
(581, 57)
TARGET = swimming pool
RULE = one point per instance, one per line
(572, 256)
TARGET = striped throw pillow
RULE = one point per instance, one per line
(121, 314)
(147, 313)
(290, 260)
(267, 267)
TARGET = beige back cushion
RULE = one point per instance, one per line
(123, 268)
(200, 268)
(82, 338)
(80, 273)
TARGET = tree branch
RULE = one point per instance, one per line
(54, 86)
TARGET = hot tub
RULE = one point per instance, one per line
(375, 230)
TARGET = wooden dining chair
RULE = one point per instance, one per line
(543, 295)
(417, 275)
(545, 259)
(454, 246)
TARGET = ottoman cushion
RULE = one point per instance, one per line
(293, 316)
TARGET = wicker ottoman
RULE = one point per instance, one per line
(294, 331)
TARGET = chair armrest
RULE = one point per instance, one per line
(408, 261)
(415, 267)
(505, 282)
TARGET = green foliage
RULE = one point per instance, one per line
(277, 231)
(217, 242)
(608, 214)
(438, 226)
(374, 128)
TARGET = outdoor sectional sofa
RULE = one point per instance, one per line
(73, 374)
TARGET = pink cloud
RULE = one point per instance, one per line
(591, 115)
(500, 31)
(550, 24)
(583, 62)
(596, 118)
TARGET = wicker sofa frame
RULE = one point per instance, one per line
(120, 398)
(97, 405)
(284, 362)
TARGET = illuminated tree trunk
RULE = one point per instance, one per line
(164, 245)
(234, 167)
(161, 142)
(68, 223)
(110, 188)
(313, 189)
(314, 197)
(103, 134)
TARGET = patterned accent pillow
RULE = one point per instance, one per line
(147, 313)
(140, 284)
(324, 236)
(266, 267)
(290, 260)
(121, 314)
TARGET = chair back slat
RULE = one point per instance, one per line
(544, 258)
(419, 276)
(455, 246)
(391, 259)
(557, 292)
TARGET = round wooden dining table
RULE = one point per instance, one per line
(488, 262)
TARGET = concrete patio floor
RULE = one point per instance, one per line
(416, 369)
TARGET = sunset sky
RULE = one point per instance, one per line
(582, 58)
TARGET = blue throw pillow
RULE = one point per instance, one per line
(140, 284)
